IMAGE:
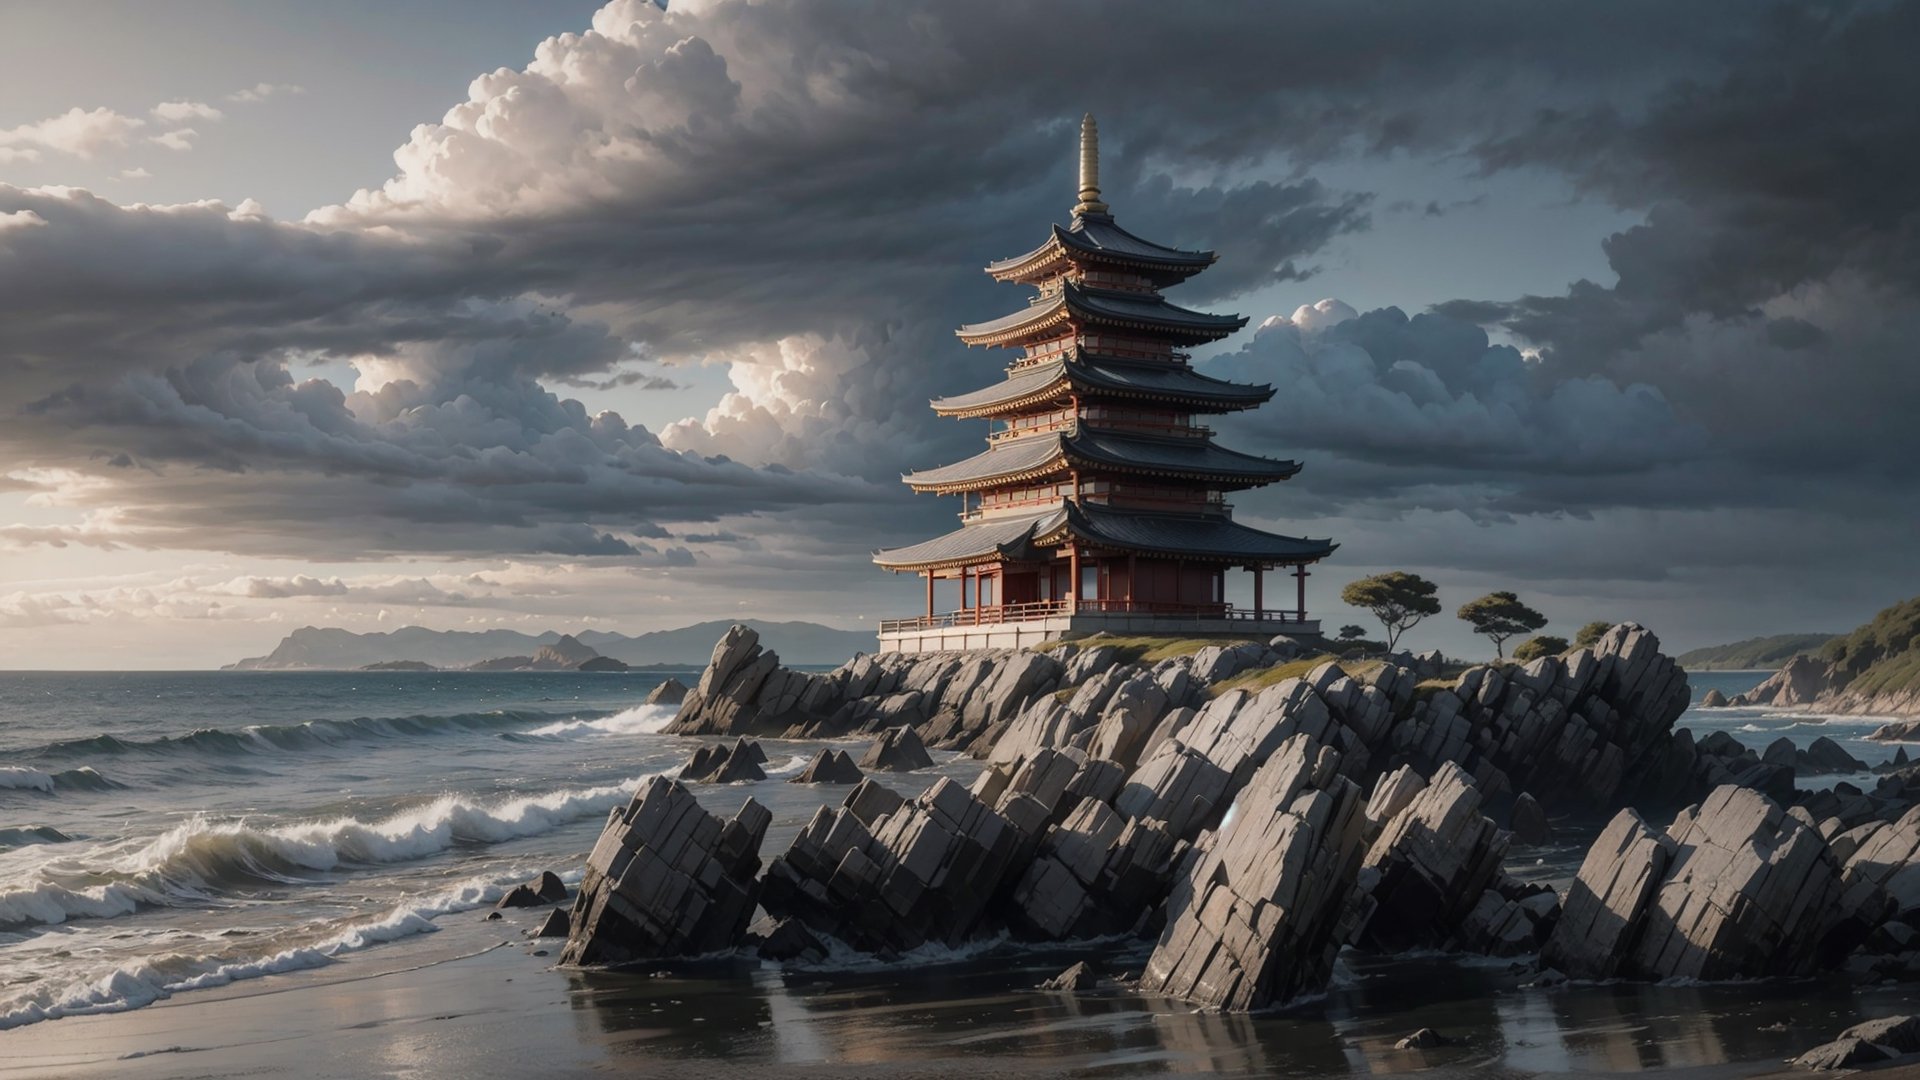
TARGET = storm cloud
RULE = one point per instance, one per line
(800, 195)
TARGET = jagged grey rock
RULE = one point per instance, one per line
(1255, 922)
(670, 692)
(556, 924)
(1079, 977)
(1528, 821)
(896, 750)
(666, 878)
(830, 766)
(723, 764)
(1736, 888)
(1431, 864)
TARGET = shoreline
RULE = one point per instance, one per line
(475, 1000)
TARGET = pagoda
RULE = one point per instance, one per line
(1100, 500)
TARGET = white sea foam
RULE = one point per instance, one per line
(194, 858)
(791, 767)
(13, 776)
(142, 982)
(639, 720)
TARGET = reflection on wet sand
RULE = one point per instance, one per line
(984, 1010)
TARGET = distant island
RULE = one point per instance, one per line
(418, 648)
(1753, 654)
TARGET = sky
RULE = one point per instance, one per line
(578, 316)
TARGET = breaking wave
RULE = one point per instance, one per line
(28, 835)
(791, 767)
(153, 978)
(267, 738)
(194, 861)
(639, 720)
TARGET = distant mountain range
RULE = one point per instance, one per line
(334, 649)
(1753, 654)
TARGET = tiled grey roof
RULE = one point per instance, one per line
(1097, 234)
(977, 541)
(1001, 459)
(1144, 377)
(1189, 456)
(1108, 304)
(1180, 534)
(1183, 455)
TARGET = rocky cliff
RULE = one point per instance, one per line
(1252, 831)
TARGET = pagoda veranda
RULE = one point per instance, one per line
(1100, 500)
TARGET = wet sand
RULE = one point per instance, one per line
(474, 1001)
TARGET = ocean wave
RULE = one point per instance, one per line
(28, 835)
(194, 861)
(142, 982)
(19, 779)
(313, 734)
(84, 778)
(639, 720)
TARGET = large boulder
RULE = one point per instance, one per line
(1736, 888)
(666, 878)
(1257, 920)
(1431, 864)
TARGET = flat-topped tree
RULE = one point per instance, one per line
(1501, 615)
(1099, 502)
(1398, 599)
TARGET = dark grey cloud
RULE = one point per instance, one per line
(804, 192)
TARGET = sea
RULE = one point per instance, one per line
(168, 834)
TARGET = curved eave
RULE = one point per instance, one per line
(1081, 307)
(1202, 539)
(1257, 472)
(980, 471)
(1008, 541)
(1066, 248)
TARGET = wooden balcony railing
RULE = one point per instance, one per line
(995, 614)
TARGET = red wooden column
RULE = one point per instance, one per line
(929, 596)
(1133, 580)
(1259, 591)
(976, 595)
(1300, 578)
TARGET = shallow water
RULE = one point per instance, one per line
(164, 836)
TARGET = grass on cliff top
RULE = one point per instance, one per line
(1259, 679)
(1148, 650)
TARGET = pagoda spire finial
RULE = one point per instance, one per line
(1090, 168)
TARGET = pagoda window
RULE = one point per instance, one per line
(1157, 420)
(1033, 423)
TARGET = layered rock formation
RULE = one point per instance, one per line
(1735, 888)
(1252, 833)
(723, 764)
(666, 878)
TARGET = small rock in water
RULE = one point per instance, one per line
(829, 767)
(1424, 1039)
(545, 889)
(1529, 821)
(897, 750)
(493, 916)
(1713, 699)
(1842, 1053)
(721, 764)
(1077, 978)
(671, 692)
(557, 924)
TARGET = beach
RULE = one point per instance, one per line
(308, 897)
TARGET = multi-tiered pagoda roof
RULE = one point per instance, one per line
(1097, 487)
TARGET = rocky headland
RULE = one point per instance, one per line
(1874, 671)
(1251, 811)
